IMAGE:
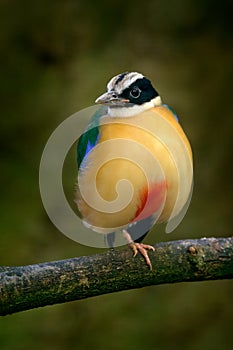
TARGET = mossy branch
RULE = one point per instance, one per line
(28, 287)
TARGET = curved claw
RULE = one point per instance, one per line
(142, 249)
(139, 247)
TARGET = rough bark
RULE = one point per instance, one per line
(28, 287)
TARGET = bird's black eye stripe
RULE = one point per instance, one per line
(135, 92)
(145, 92)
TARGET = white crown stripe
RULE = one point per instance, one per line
(123, 84)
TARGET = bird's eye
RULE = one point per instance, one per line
(135, 92)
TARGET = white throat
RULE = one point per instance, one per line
(124, 112)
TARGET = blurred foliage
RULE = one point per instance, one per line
(56, 58)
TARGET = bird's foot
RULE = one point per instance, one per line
(142, 249)
(139, 247)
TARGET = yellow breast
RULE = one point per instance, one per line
(141, 166)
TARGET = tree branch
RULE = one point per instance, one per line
(27, 287)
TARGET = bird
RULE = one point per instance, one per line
(135, 164)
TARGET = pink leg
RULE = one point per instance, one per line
(139, 247)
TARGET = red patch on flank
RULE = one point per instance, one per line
(152, 201)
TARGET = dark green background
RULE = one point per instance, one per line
(56, 58)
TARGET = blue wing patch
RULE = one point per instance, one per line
(90, 137)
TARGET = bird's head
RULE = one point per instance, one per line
(129, 94)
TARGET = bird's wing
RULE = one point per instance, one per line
(171, 110)
(90, 137)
